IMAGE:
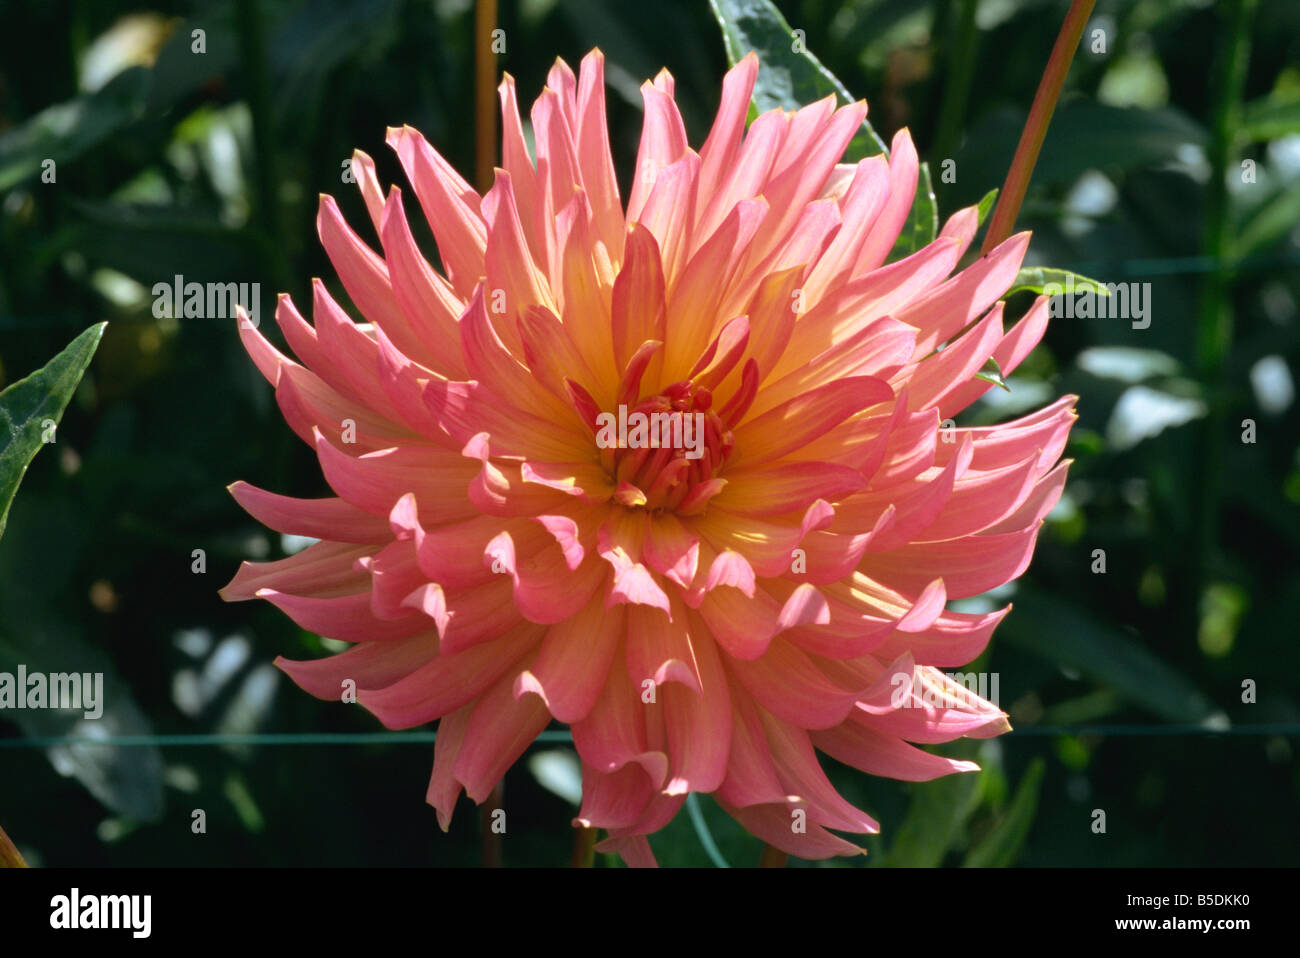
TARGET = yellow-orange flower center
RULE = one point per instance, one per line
(666, 451)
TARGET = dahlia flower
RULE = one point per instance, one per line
(704, 619)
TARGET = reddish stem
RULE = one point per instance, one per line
(772, 858)
(9, 856)
(1035, 131)
(485, 75)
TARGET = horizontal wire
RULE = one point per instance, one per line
(251, 738)
(558, 735)
(1121, 731)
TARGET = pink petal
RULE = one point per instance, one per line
(876, 753)
(316, 518)
(368, 665)
(799, 421)
(500, 727)
(446, 682)
(450, 205)
(574, 662)
(787, 683)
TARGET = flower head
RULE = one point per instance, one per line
(680, 473)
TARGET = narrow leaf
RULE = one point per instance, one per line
(992, 373)
(1270, 224)
(1271, 118)
(702, 831)
(935, 817)
(1036, 279)
(986, 204)
(1070, 636)
(31, 408)
(65, 131)
(1000, 847)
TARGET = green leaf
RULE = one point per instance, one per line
(66, 130)
(31, 405)
(1036, 278)
(1069, 635)
(992, 373)
(134, 238)
(935, 817)
(791, 77)
(1000, 846)
(986, 204)
(1270, 224)
(1271, 117)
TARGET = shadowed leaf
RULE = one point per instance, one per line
(66, 130)
(32, 406)
(1070, 636)
(1000, 847)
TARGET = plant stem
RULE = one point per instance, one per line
(772, 858)
(956, 88)
(491, 840)
(485, 74)
(1214, 326)
(266, 175)
(1035, 131)
(584, 848)
(9, 856)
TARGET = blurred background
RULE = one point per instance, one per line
(1154, 681)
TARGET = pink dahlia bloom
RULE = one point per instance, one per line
(706, 613)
